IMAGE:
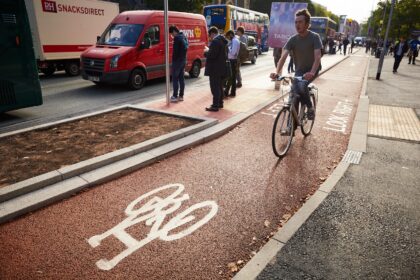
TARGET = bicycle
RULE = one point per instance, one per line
(291, 116)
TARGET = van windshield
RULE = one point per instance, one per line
(121, 34)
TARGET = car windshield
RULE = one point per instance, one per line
(121, 34)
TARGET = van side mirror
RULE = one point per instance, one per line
(98, 38)
(145, 43)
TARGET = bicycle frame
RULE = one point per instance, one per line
(293, 96)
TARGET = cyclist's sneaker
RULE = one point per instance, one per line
(174, 99)
(311, 114)
(181, 98)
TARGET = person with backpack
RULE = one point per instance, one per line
(179, 60)
(233, 52)
(244, 39)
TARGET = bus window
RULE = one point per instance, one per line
(251, 17)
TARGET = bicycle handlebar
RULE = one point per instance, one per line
(281, 78)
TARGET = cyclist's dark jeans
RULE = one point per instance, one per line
(301, 88)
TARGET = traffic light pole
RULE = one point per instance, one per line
(384, 48)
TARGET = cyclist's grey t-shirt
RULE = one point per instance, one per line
(302, 49)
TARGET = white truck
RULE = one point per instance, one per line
(63, 29)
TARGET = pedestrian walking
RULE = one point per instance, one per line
(216, 67)
(391, 49)
(179, 60)
(368, 45)
(276, 55)
(340, 44)
(233, 52)
(400, 49)
(413, 51)
(244, 39)
(352, 46)
(331, 46)
(345, 44)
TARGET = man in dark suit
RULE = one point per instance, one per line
(216, 67)
(400, 49)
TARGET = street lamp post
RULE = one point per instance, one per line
(165, 14)
(384, 49)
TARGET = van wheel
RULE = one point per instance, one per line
(137, 79)
(48, 71)
(254, 59)
(195, 69)
(72, 69)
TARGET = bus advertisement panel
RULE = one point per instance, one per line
(229, 17)
(282, 22)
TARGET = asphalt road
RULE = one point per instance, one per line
(137, 227)
(66, 97)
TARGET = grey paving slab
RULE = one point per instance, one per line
(257, 264)
(297, 220)
(367, 228)
(358, 142)
(94, 163)
(40, 198)
(118, 169)
(360, 127)
(333, 179)
(29, 185)
(399, 89)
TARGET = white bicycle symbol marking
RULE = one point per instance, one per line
(153, 213)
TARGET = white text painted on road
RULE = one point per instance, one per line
(273, 110)
(338, 119)
(153, 212)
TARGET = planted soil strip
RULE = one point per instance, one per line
(33, 153)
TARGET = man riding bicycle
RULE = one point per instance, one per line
(306, 49)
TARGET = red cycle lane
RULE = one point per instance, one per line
(140, 226)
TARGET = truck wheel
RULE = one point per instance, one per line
(254, 59)
(48, 71)
(137, 79)
(72, 68)
(195, 69)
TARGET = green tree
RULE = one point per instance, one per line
(405, 18)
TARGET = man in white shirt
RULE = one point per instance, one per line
(244, 39)
(233, 51)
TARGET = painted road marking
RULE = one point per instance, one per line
(273, 110)
(153, 212)
(338, 119)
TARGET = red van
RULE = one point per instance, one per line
(132, 48)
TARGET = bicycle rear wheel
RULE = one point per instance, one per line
(306, 125)
(283, 131)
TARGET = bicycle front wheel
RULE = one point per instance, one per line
(306, 124)
(283, 131)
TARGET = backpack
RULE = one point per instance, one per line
(243, 52)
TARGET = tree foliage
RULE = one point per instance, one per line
(405, 19)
